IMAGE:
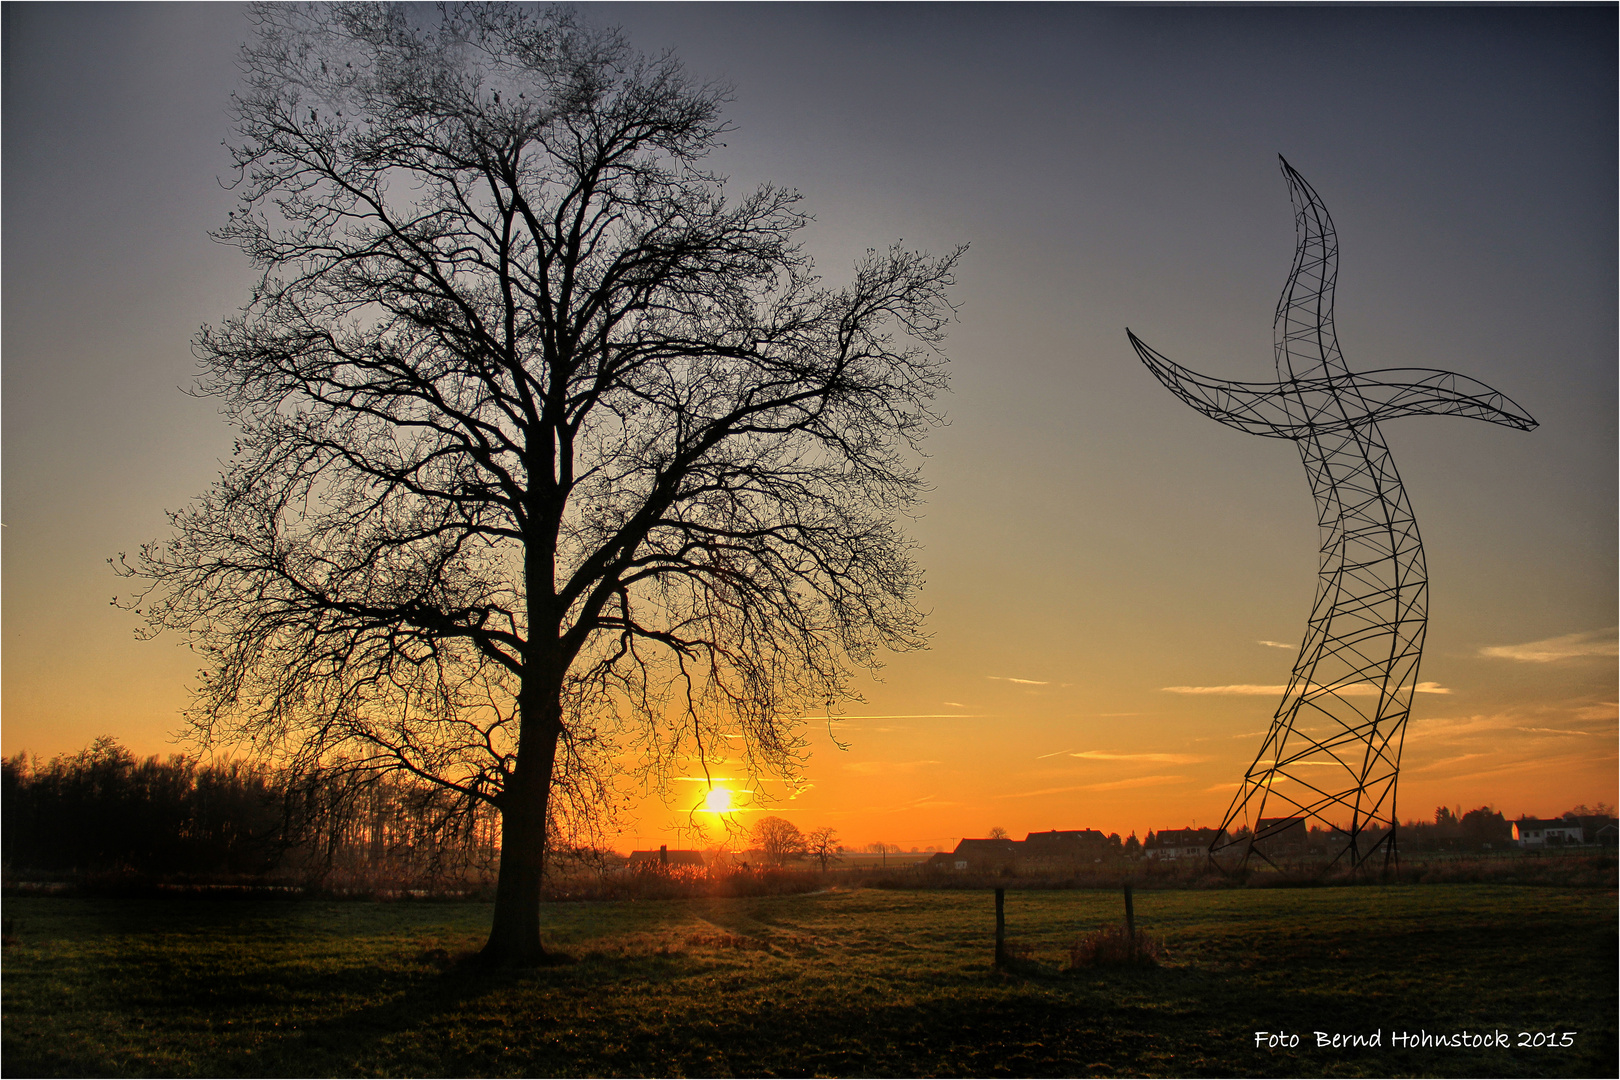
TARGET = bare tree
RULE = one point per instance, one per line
(998, 833)
(881, 847)
(548, 451)
(822, 845)
(778, 840)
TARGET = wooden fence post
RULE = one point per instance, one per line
(1001, 927)
(1130, 921)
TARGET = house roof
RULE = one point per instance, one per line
(1064, 844)
(1278, 823)
(1066, 836)
(1546, 823)
(676, 858)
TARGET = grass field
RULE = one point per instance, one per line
(843, 982)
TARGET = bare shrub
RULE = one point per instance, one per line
(1112, 947)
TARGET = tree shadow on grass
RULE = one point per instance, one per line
(626, 1015)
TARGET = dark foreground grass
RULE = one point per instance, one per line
(857, 982)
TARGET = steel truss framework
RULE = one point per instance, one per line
(1333, 753)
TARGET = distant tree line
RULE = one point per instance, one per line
(1481, 828)
(104, 811)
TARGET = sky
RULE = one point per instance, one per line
(1091, 544)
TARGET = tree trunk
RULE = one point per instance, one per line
(514, 939)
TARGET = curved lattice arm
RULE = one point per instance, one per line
(1394, 392)
(1258, 408)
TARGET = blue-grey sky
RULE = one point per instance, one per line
(1087, 533)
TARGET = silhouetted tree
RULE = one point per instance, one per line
(822, 845)
(882, 847)
(544, 443)
(998, 833)
(1485, 825)
(778, 840)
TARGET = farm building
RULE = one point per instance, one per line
(978, 856)
(665, 857)
(1601, 831)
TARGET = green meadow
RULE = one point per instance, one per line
(843, 982)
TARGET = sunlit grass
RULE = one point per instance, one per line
(843, 982)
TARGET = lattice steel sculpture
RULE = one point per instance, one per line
(1334, 749)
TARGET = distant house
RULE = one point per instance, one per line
(1057, 850)
(1603, 831)
(1061, 849)
(1182, 843)
(665, 857)
(977, 856)
(1535, 832)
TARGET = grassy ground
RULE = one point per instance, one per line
(852, 982)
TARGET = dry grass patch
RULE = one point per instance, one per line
(1117, 946)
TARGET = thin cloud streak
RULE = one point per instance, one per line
(931, 800)
(1444, 728)
(1443, 762)
(1565, 647)
(1111, 785)
(901, 716)
(881, 768)
(1168, 759)
(1021, 682)
(1253, 690)
(1277, 644)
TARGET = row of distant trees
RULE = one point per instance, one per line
(105, 811)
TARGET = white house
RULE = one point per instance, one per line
(1182, 844)
(1534, 832)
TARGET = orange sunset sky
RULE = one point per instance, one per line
(1116, 585)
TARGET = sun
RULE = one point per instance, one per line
(718, 800)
